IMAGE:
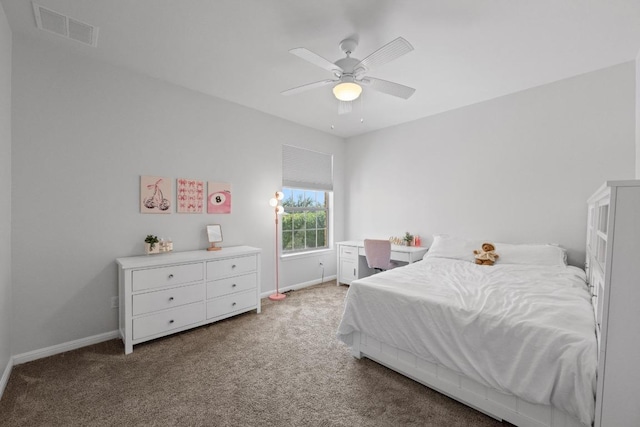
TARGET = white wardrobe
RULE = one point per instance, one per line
(613, 269)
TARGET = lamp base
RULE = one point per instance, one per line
(277, 297)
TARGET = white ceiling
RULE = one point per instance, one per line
(466, 51)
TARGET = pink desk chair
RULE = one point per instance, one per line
(378, 254)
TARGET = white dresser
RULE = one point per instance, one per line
(168, 293)
(613, 268)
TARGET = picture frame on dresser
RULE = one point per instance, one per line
(173, 292)
(214, 235)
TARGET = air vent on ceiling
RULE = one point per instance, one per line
(64, 26)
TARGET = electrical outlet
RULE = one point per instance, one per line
(114, 302)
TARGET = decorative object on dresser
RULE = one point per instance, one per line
(274, 202)
(172, 292)
(613, 271)
(214, 234)
(151, 244)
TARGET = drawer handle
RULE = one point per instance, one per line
(171, 321)
(233, 266)
(233, 304)
(170, 298)
(234, 285)
(171, 276)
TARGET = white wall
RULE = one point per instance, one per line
(515, 169)
(5, 194)
(638, 116)
(84, 132)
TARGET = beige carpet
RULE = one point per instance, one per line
(283, 367)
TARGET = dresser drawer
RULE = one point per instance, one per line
(349, 252)
(161, 300)
(231, 266)
(231, 303)
(166, 276)
(231, 285)
(167, 320)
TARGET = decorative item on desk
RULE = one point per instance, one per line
(214, 234)
(274, 202)
(151, 244)
(408, 239)
(396, 240)
(417, 241)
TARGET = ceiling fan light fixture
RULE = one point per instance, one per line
(347, 91)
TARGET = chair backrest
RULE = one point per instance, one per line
(378, 253)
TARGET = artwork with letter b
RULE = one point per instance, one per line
(219, 197)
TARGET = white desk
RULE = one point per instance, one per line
(352, 263)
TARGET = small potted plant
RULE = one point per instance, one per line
(150, 244)
(408, 239)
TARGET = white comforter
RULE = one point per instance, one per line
(527, 330)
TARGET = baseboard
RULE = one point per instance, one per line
(300, 286)
(61, 348)
(5, 376)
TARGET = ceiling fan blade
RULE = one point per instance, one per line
(306, 87)
(344, 107)
(316, 59)
(386, 53)
(390, 88)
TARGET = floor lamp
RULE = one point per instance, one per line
(278, 209)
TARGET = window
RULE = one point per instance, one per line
(307, 181)
(305, 222)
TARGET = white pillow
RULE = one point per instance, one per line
(445, 246)
(530, 254)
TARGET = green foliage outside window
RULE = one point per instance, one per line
(304, 222)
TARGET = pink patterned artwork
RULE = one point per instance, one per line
(219, 197)
(155, 194)
(190, 195)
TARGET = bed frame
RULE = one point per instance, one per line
(487, 400)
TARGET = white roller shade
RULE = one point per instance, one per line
(302, 168)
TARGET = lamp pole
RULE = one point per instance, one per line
(277, 208)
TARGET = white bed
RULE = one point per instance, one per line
(515, 340)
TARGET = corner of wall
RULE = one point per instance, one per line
(6, 292)
(4, 379)
(638, 116)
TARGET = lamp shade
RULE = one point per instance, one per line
(273, 202)
(347, 91)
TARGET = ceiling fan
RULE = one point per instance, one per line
(350, 73)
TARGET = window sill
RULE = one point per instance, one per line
(305, 254)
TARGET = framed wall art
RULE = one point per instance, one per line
(190, 195)
(218, 197)
(155, 194)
